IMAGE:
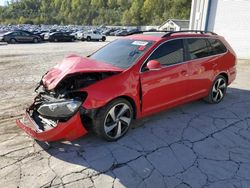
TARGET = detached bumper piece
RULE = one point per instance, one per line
(68, 130)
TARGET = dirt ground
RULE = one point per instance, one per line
(194, 145)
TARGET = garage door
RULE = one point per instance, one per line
(231, 19)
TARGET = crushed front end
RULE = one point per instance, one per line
(57, 111)
(54, 116)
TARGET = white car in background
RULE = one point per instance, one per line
(79, 35)
(92, 35)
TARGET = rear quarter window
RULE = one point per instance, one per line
(217, 47)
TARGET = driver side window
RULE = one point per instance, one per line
(169, 53)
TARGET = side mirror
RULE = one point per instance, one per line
(153, 65)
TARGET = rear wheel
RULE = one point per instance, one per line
(35, 40)
(218, 90)
(114, 120)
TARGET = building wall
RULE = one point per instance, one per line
(198, 14)
(229, 18)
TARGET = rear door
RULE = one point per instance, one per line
(168, 85)
(59, 36)
(26, 37)
(201, 66)
(66, 37)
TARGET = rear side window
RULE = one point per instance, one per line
(217, 47)
(198, 48)
(169, 53)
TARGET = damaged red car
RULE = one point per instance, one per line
(129, 78)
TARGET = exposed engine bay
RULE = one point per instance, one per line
(62, 102)
(77, 81)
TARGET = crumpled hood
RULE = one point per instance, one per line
(75, 64)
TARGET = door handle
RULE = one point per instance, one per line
(184, 73)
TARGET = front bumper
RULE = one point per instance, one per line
(69, 130)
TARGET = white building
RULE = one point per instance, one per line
(229, 18)
(174, 25)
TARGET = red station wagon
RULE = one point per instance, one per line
(127, 79)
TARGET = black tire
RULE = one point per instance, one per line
(88, 38)
(103, 39)
(12, 41)
(104, 121)
(35, 40)
(217, 91)
(55, 40)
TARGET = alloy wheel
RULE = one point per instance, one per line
(219, 89)
(117, 120)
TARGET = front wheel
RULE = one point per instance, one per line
(217, 91)
(12, 41)
(88, 38)
(114, 120)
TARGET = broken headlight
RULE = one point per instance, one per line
(59, 109)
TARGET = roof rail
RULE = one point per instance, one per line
(140, 32)
(169, 33)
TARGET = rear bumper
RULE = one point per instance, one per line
(70, 130)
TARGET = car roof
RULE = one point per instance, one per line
(161, 35)
(56, 32)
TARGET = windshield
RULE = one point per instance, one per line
(122, 53)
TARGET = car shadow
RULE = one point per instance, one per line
(120, 159)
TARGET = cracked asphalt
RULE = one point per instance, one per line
(193, 145)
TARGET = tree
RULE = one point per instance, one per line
(88, 12)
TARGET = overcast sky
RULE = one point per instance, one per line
(3, 2)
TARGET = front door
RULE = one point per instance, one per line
(166, 86)
(95, 35)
